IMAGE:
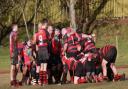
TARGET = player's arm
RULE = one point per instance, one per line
(11, 47)
(35, 42)
(34, 39)
(65, 48)
(30, 55)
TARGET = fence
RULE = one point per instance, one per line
(115, 9)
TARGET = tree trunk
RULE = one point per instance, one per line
(0, 36)
(72, 14)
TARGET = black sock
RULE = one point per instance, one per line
(37, 77)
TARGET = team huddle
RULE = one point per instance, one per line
(52, 53)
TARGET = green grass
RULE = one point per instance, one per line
(4, 59)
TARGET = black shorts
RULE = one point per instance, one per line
(111, 55)
(43, 55)
(54, 61)
(98, 70)
(75, 55)
(79, 70)
(14, 58)
(90, 66)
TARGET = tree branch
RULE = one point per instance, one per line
(68, 3)
(93, 17)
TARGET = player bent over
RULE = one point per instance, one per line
(108, 54)
(89, 49)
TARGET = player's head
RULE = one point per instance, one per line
(64, 31)
(44, 23)
(94, 37)
(15, 27)
(29, 43)
(57, 32)
(39, 26)
(50, 29)
(69, 30)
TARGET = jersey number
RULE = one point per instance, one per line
(40, 40)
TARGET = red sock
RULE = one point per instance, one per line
(41, 77)
(83, 80)
(72, 78)
(45, 80)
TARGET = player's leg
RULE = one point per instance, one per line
(43, 69)
(16, 71)
(113, 67)
(78, 72)
(50, 73)
(59, 70)
(65, 71)
(93, 72)
(33, 74)
(88, 71)
(12, 74)
(104, 68)
(37, 73)
(82, 78)
(72, 70)
(28, 74)
(13, 70)
(113, 56)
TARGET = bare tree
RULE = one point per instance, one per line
(71, 5)
(86, 17)
(5, 29)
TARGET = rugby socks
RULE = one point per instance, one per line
(72, 77)
(45, 80)
(64, 78)
(40, 78)
(37, 77)
(82, 80)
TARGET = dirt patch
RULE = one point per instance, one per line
(4, 71)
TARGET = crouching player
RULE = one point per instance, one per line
(108, 54)
(71, 49)
(89, 50)
(27, 51)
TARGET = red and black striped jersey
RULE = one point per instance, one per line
(13, 42)
(104, 50)
(88, 45)
(72, 42)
